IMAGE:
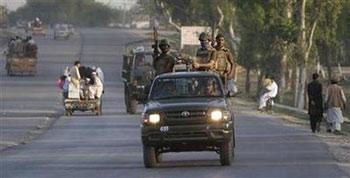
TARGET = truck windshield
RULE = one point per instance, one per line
(186, 87)
(142, 60)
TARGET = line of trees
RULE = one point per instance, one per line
(79, 12)
(286, 38)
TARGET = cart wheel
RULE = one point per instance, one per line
(99, 109)
(68, 112)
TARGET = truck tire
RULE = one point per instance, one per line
(126, 98)
(159, 157)
(226, 153)
(149, 157)
(68, 112)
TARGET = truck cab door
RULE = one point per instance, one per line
(127, 62)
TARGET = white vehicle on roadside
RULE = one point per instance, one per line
(61, 31)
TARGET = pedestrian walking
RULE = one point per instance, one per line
(315, 109)
(335, 102)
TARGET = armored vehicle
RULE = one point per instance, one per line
(187, 111)
(137, 75)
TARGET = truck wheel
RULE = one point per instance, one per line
(226, 153)
(68, 112)
(126, 99)
(149, 157)
(233, 144)
(159, 157)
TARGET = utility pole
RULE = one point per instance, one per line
(124, 12)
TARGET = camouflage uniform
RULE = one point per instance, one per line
(223, 63)
(204, 53)
(203, 56)
(164, 63)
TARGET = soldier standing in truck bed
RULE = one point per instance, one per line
(202, 62)
(164, 63)
(222, 60)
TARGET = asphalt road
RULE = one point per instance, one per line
(89, 146)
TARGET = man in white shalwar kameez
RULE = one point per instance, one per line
(335, 100)
(271, 92)
(96, 89)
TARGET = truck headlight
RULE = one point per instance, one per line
(154, 118)
(216, 115)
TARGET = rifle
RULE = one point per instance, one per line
(156, 43)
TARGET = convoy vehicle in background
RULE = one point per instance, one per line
(79, 99)
(3, 17)
(187, 111)
(21, 66)
(21, 57)
(137, 74)
(37, 27)
(62, 31)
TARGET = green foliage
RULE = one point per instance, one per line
(326, 36)
(251, 21)
(80, 12)
(193, 12)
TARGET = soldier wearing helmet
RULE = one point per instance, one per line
(164, 63)
(203, 53)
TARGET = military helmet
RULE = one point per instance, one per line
(203, 36)
(164, 42)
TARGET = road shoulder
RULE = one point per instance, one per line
(338, 145)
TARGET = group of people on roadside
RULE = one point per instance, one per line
(19, 47)
(333, 104)
(80, 82)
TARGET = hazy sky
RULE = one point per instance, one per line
(14, 4)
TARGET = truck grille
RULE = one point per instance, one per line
(185, 117)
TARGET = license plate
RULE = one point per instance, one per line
(164, 128)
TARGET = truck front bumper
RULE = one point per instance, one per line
(194, 134)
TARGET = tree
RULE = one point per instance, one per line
(80, 12)
(326, 37)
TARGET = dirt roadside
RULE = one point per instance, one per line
(338, 145)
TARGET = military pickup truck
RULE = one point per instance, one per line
(187, 111)
(137, 75)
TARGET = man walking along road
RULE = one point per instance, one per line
(222, 60)
(164, 63)
(335, 102)
(314, 92)
(203, 53)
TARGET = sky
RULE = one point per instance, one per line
(120, 4)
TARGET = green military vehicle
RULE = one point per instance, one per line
(187, 111)
(137, 75)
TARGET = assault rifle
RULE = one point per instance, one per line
(156, 43)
